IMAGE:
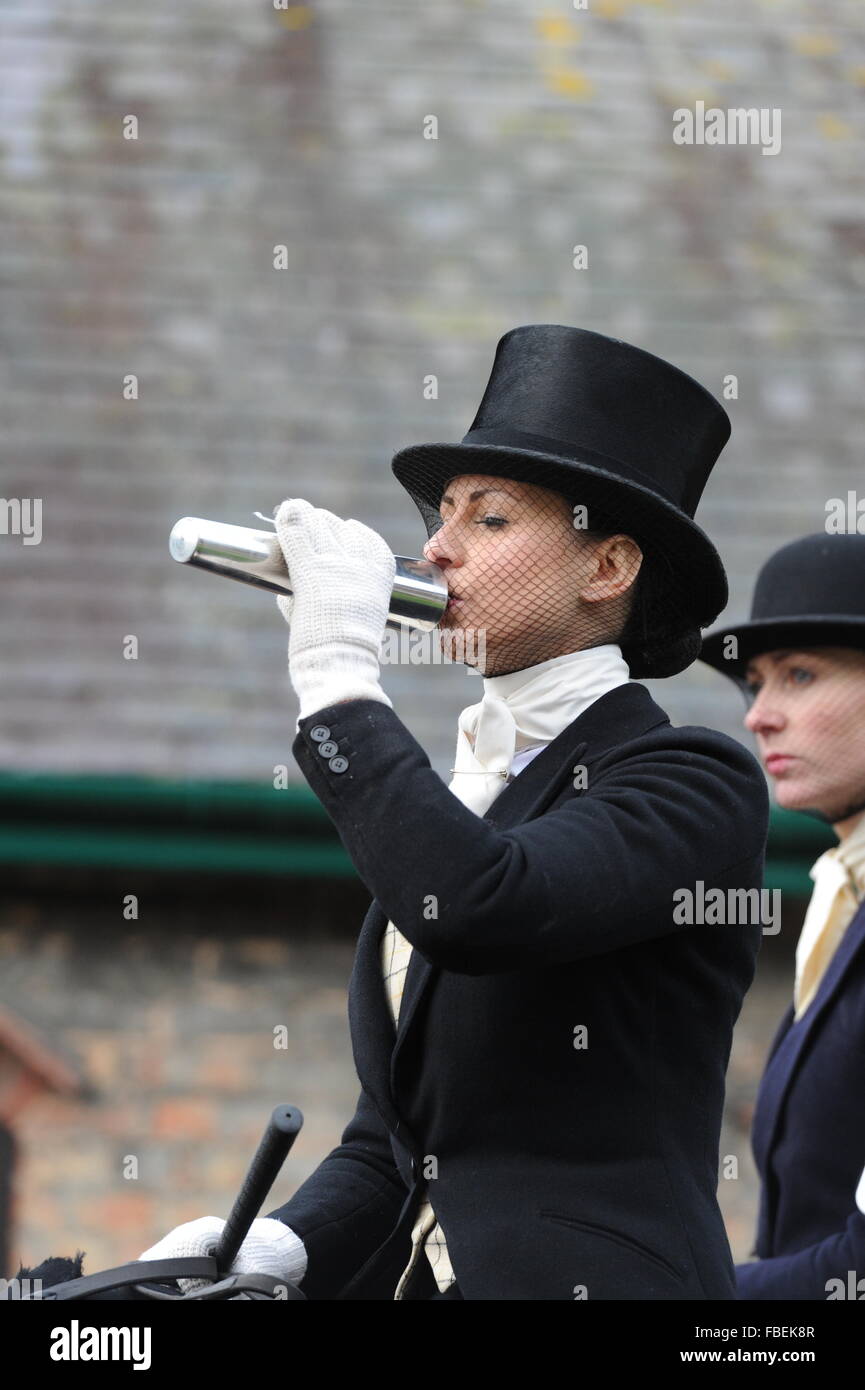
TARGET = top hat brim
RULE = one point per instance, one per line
(423, 470)
(779, 634)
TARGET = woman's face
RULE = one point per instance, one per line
(522, 574)
(808, 717)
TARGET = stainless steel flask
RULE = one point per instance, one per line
(420, 592)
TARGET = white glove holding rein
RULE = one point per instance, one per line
(270, 1247)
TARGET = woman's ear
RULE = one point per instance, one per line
(616, 563)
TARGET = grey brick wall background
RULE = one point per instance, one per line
(406, 256)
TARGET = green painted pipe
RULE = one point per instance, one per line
(241, 827)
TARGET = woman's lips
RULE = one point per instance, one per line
(779, 762)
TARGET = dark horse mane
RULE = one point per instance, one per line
(56, 1269)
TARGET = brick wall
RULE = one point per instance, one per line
(171, 1022)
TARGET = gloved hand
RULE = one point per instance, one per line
(270, 1247)
(342, 579)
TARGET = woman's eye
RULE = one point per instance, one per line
(800, 671)
(494, 520)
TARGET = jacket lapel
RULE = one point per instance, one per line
(611, 720)
(792, 1038)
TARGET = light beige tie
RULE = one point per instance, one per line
(832, 908)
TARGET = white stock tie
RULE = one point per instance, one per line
(486, 743)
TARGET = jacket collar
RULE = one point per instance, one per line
(614, 718)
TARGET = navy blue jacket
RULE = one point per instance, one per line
(808, 1139)
(562, 1171)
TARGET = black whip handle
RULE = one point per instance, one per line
(282, 1130)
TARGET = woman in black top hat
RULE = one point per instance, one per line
(541, 1017)
(801, 663)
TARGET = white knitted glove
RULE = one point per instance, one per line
(342, 579)
(270, 1247)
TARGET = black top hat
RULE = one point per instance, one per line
(810, 593)
(612, 427)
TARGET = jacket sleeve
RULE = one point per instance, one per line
(807, 1274)
(348, 1206)
(594, 874)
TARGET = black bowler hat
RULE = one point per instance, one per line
(613, 427)
(810, 593)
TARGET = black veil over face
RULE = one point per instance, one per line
(533, 580)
